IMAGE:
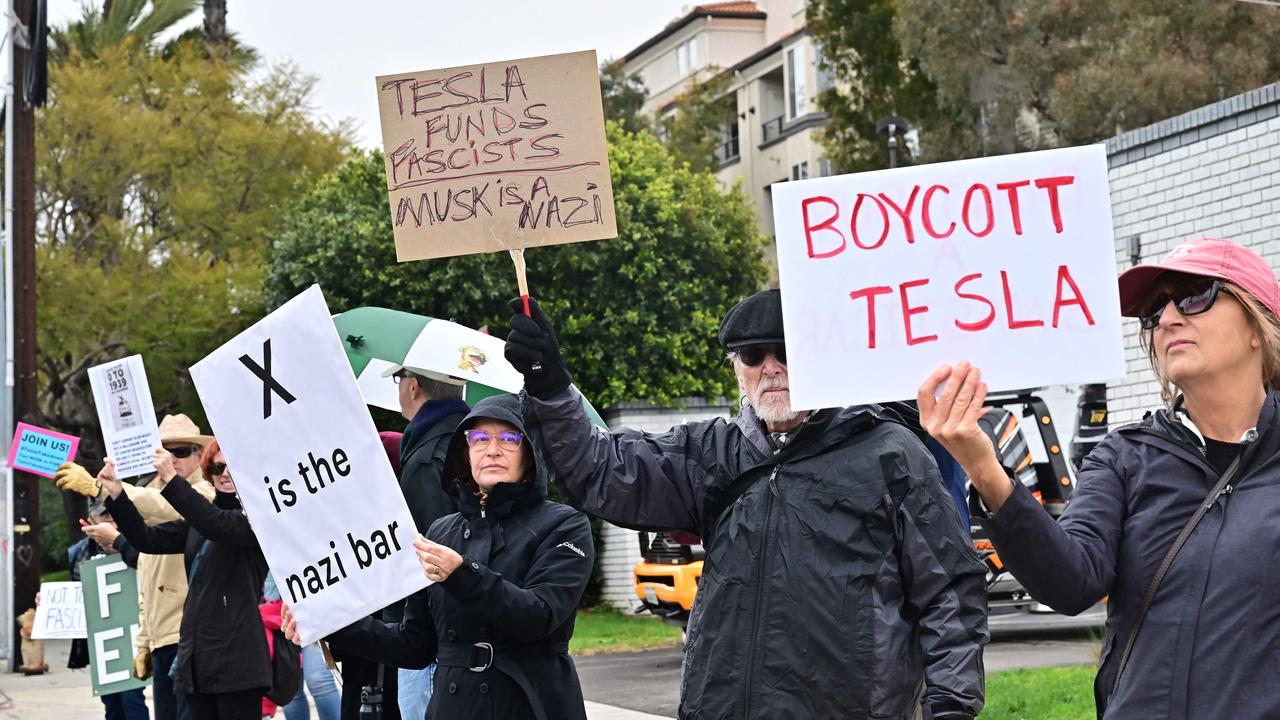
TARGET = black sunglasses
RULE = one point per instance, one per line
(216, 469)
(1190, 300)
(182, 451)
(753, 355)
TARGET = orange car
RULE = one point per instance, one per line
(667, 577)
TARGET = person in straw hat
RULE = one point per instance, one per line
(162, 579)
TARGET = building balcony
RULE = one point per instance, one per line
(772, 128)
(727, 153)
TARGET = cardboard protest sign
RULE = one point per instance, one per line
(60, 614)
(1008, 262)
(128, 419)
(40, 451)
(310, 468)
(111, 617)
(497, 156)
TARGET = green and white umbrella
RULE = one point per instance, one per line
(378, 339)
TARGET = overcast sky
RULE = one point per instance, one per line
(345, 45)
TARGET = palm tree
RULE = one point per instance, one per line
(141, 21)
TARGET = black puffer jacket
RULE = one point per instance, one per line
(837, 575)
(500, 624)
(222, 645)
(1209, 646)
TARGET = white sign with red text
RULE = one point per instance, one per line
(1008, 262)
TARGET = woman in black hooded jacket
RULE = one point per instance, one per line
(222, 667)
(508, 571)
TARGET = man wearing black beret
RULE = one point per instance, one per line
(838, 581)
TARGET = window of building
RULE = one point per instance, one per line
(795, 82)
(687, 57)
(801, 171)
(824, 167)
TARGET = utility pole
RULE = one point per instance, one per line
(23, 558)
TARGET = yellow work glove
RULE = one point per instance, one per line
(142, 663)
(71, 477)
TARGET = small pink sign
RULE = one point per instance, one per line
(40, 451)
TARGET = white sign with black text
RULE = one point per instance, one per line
(128, 419)
(309, 467)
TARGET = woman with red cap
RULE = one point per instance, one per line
(1173, 517)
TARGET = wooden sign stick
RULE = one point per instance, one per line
(517, 257)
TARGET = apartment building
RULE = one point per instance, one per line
(774, 78)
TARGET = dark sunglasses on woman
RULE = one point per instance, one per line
(216, 469)
(1190, 300)
(753, 355)
(182, 451)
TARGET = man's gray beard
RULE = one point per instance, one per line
(776, 412)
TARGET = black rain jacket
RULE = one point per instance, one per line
(837, 575)
(222, 644)
(1210, 644)
(500, 624)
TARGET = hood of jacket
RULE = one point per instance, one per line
(506, 498)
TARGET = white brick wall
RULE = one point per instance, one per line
(621, 546)
(1224, 184)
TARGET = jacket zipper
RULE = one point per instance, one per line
(760, 558)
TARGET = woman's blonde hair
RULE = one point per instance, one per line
(1261, 321)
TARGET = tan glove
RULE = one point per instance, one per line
(72, 477)
(142, 663)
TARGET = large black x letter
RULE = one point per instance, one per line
(269, 384)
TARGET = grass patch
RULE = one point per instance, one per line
(606, 629)
(1064, 693)
(56, 576)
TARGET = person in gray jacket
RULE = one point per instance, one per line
(1173, 517)
(838, 582)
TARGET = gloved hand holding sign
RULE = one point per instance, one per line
(532, 349)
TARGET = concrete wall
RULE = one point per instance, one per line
(1212, 172)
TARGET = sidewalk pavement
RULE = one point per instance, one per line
(63, 694)
(596, 711)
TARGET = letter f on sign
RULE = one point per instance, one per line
(269, 384)
(106, 589)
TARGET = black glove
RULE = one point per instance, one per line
(533, 349)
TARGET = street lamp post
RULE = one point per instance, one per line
(891, 127)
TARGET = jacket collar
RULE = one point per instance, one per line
(1172, 429)
(428, 418)
(1178, 415)
(820, 430)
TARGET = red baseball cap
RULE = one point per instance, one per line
(1208, 257)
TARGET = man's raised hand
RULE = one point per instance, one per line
(532, 348)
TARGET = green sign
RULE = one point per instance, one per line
(111, 615)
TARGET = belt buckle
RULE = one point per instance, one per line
(487, 663)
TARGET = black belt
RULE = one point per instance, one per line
(479, 657)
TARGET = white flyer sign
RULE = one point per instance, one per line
(310, 468)
(128, 419)
(60, 614)
(1008, 262)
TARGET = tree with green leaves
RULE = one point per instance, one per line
(623, 95)
(703, 113)
(1012, 75)
(875, 77)
(637, 315)
(158, 171)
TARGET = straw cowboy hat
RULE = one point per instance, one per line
(179, 429)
